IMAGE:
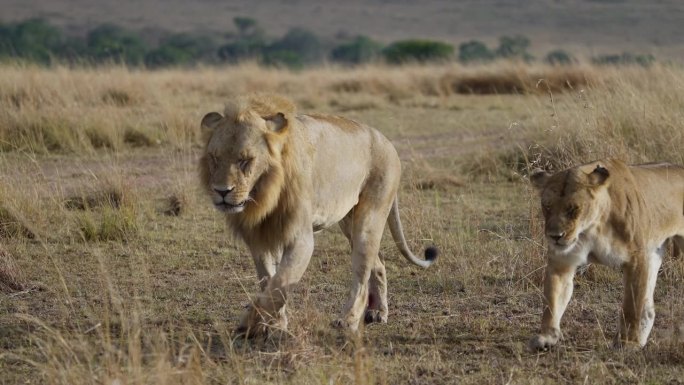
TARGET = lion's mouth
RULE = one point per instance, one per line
(231, 208)
(563, 245)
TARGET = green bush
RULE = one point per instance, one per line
(475, 51)
(242, 49)
(165, 56)
(559, 57)
(110, 43)
(34, 40)
(298, 42)
(246, 26)
(625, 58)
(288, 59)
(360, 50)
(514, 47)
(181, 49)
(6, 41)
(417, 51)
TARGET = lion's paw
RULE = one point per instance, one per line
(542, 342)
(374, 316)
(254, 323)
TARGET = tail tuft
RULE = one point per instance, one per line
(431, 253)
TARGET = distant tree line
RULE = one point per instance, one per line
(37, 41)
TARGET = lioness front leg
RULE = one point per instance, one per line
(638, 309)
(268, 308)
(558, 287)
(367, 227)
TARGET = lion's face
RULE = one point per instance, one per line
(239, 156)
(572, 202)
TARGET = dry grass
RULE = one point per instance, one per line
(144, 285)
(10, 276)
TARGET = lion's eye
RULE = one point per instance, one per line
(572, 211)
(243, 163)
(213, 160)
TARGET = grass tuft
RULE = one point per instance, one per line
(11, 278)
(14, 224)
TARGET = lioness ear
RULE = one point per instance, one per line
(210, 120)
(538, 178)
(599, 176)
(276, 123)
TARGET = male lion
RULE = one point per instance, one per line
(609, 213)
(279, 177)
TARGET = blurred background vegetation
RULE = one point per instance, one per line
(39, 42)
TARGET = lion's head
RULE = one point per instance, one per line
(242, 167)
(572, 201)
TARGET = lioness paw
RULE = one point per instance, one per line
(340, 324)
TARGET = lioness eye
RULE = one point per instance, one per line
(572, 211)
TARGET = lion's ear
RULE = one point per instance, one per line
(538, 178)
(599, 176)
(211, 120)
(276, 123)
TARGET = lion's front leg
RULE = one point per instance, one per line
(266, 263)
(377, 310)
(558, 287)
(268, 309)
(638, 309)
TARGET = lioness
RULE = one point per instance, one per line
(609, 213)
(279, 177)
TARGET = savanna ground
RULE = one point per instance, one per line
(117, 270)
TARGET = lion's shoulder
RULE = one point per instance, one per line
(333, 120)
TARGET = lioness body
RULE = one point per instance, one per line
(609, 213)
(280, 177)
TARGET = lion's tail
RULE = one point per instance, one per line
(400, 240)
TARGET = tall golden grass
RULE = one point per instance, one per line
(113, 257)
(83, 110)
(583, 110)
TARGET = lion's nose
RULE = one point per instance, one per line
(556, 237)
(223, 192)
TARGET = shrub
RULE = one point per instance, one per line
(180, 49)
(514, 47)
(417, 51)
(165, 56)
(287, 59)
(243, 49)
(360, 50)
(475, 51)
(245, 25)
(34, 40)
(298, 42)
(110, 43)
(625, 58)
(6, 45)
(559, 57)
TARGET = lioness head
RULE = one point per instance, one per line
(241, 166)
(572, 202)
